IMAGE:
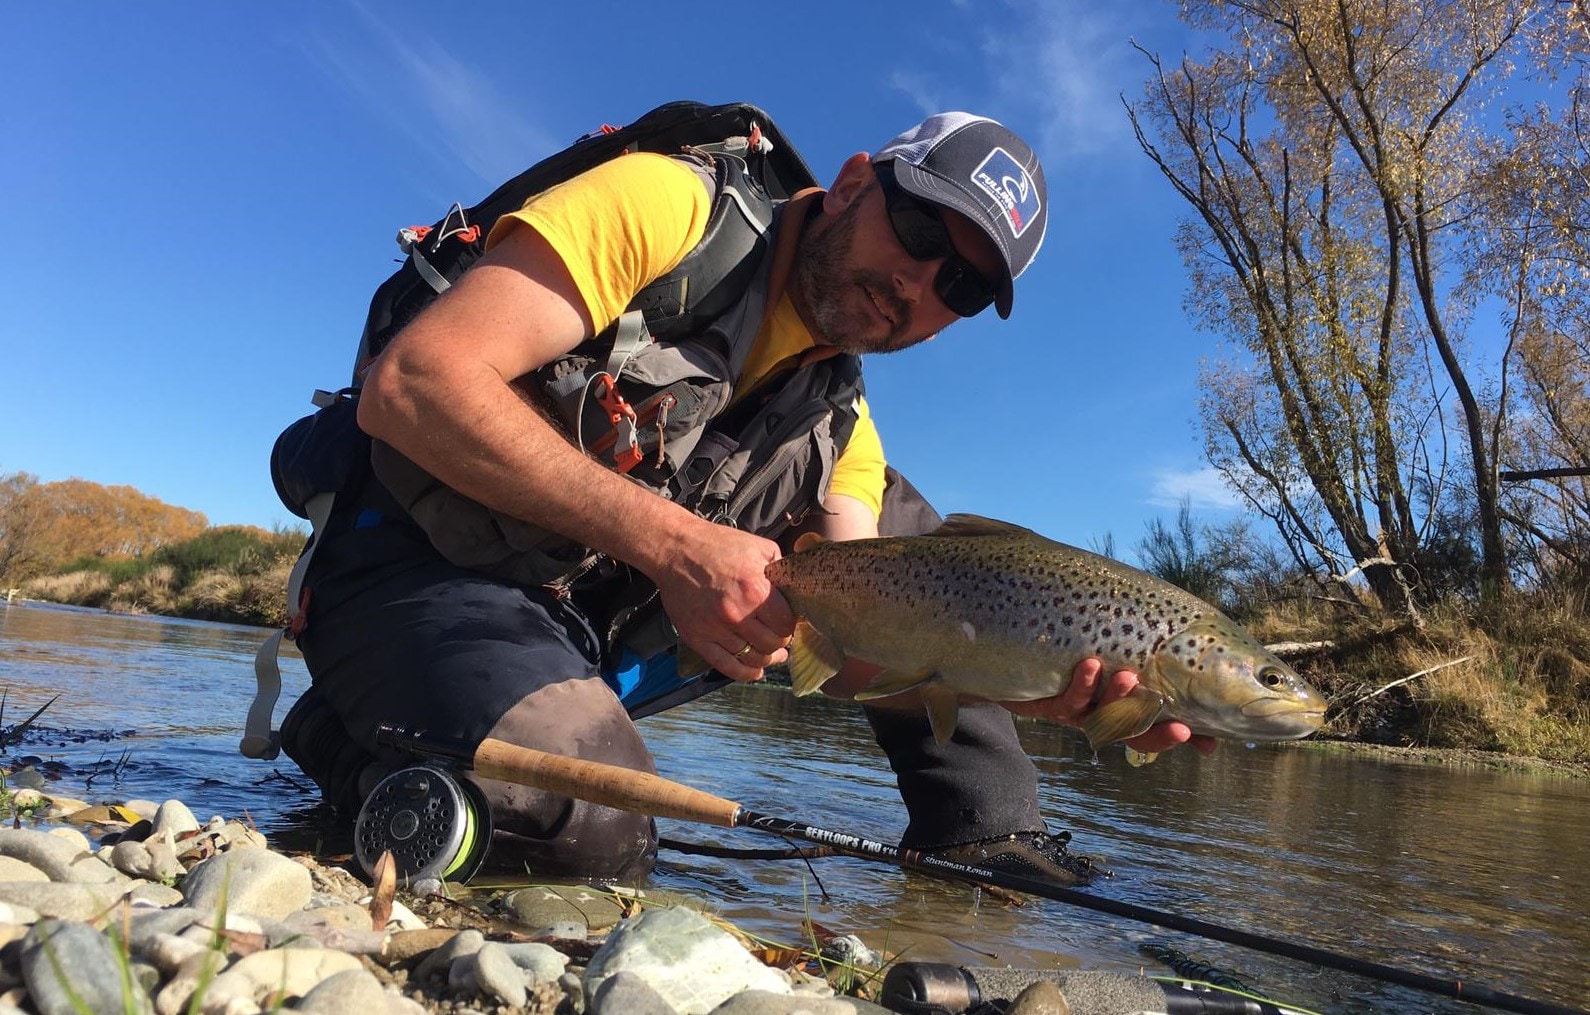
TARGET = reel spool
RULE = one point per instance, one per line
(436, 826)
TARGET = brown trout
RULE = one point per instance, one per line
(995, 611)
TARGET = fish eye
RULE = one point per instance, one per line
(1272, 678)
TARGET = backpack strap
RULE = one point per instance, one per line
(260, 739)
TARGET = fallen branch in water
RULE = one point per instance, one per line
(1412, 676)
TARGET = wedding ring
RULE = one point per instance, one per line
(743, 652)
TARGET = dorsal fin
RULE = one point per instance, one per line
(976, 525)
(807, 540)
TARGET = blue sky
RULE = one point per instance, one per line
(201, 198)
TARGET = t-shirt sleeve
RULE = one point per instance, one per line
(859, 471)
(618, 227)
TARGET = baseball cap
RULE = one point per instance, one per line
(981, 169)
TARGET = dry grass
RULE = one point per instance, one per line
(79, 588)
(1516, 680)
(250, 595)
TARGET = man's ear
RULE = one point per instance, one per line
(855, 176)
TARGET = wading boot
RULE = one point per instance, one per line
(314, 737)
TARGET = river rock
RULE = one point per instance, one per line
(546, 962)
(628, 993)
(174, 818)
(492, 971)
(62, 901)
(356, 990)
(406, 945)
(200, 968)
(287, 971)
(11, 915)
(71, 968)
(1043, 997)
(544, 906)
(691, 963)
(760, 1002)
(253, 881)
(51, 854)
(437, 963)
(147, 894)
(12, 869)
(75, 837)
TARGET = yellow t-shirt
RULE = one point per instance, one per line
(625, 224)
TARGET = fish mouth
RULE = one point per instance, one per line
(1297, 715)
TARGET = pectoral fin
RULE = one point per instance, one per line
(892, 682)
(813, 658)
(1123, 718)
(689, 663)
(943, 708)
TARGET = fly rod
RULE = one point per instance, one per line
(644, 793)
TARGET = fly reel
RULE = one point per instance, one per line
(436, 825)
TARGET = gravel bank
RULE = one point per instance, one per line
(143, 908)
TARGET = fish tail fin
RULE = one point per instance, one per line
(813, 658)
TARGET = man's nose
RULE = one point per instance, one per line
(914, 278)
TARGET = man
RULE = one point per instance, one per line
(934, 226)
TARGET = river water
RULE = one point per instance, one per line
(1457, 873)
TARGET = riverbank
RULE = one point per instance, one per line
(1448, 757)
(138, 907)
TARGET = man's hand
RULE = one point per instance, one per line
(1089, 689)
(718, 596)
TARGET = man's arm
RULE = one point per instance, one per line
(441, 394)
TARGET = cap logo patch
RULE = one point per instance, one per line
(1011, 188)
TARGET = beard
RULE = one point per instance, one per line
(834, 293)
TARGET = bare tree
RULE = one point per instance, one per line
(1331, 154)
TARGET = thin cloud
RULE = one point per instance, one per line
(448, 107)
(919, 88)
(1061, 64)
(1074, 68)
(1202, 488)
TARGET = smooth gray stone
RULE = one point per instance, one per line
(628, 993)
(497, 975)
(62, 901)
(438, 962)
(146, 925)
(356, 990)
(691, 962)
(71, 968)
(51, 854)
(174, 816)
(256, 882)
(545, 961)
(760, 1002)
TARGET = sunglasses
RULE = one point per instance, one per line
(922, 233)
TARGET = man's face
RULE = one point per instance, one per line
(862, 291)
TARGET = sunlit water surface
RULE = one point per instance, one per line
(1453, 872)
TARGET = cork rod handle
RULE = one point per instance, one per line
(608, 785)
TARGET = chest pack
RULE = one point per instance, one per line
(652, 396)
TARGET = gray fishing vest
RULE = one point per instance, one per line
(759, 463)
